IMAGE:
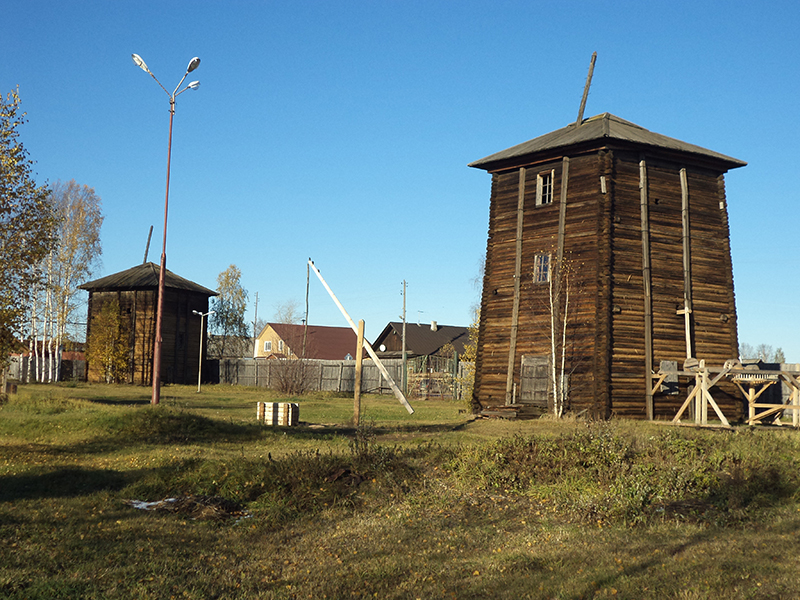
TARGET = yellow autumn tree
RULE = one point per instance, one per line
(108, 348)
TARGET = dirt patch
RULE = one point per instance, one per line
(199, 508)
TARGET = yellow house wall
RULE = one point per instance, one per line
(269, 334)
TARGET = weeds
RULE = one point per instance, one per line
(549, 510)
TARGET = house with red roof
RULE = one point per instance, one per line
(288, 340)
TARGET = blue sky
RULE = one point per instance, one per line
(341, 131)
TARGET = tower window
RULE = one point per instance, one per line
(541, 268)
(544, 187)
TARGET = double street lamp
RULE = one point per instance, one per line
(202, 331)
(193, 64)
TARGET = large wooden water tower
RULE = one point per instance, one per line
(618, 236)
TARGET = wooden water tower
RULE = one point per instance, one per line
(136, 290)
(608, 253)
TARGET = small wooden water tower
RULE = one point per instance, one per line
(608, 253)
(136, 290)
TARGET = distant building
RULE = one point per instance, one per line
(421, 339)
(286, 340)
(136, 289)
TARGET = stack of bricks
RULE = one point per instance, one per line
(284, 414)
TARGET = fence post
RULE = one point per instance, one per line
(357, 383)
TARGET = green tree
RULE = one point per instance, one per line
(27, 225)
(108, 346)
(228, 322)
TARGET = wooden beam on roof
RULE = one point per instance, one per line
(586, 88)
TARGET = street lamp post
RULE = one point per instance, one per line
(202, 331)
(193, 64)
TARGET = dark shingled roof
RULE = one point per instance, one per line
(144, 277)
(604, 126)
(421, 340)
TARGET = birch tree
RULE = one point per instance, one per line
(227, 321)
(560, 289)
(79, 217)
(27, 226)
(558, 343)
(288, 312)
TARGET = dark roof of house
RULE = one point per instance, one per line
(144, 276)
(604, 126)
(322, 342)
(423, 340)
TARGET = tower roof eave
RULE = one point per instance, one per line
(601, 127)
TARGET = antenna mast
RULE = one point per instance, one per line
(586, 89)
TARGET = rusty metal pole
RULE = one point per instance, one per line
(193, 64)
(160, 312)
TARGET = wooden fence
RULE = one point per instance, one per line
(319, 375)
(328, 376)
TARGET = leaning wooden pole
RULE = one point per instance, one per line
(397, 392)
(586, 89)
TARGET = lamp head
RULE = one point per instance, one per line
(193, 64)
(194, 85)
(137, 60)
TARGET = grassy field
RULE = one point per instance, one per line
(430, 505)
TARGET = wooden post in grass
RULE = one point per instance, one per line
(359, 360)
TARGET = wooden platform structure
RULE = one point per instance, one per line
(752, 382)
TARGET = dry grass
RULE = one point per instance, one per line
(429, 506)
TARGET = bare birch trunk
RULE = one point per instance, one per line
(48, 312)
(553, 377)
(562, 392)
(31, 341)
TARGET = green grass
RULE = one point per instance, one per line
(430, 505)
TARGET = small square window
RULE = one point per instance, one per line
(268, 346)
(544, 187)
(541, 268)
(280, 345)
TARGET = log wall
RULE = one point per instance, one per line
(605, 225)
(180, 333)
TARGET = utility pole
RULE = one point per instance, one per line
(305, 321)
(396, 390)
(255, 328)
(405, 356)
(255, 320)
